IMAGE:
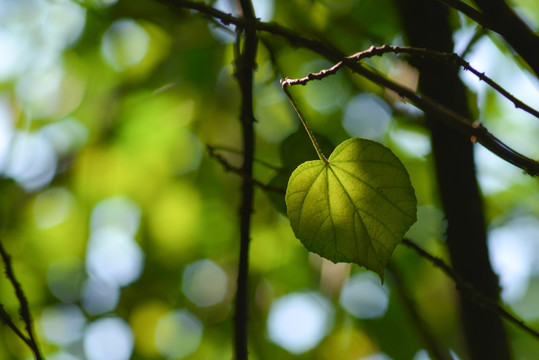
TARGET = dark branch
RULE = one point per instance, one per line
(245, 65)
(238, 171)
(497, 16)
(24, 311)
(6, 318)
(469, 290)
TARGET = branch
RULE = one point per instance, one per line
(213, 148)
(437, 55)
(497, 16)
(469, 290)
(475, 131)
(6, 318)
(471, 12)
(24, 307)
(229, 167)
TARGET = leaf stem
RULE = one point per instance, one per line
(284, 85)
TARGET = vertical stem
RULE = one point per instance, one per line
(244, 73)
(321, 155)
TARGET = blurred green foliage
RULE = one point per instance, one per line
(143, 89)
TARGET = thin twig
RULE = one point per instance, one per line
(214, 148)
(6, 318)
(24, 310)
(238, 171)
(432, 344)
(469, 290)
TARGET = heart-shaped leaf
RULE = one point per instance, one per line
(354, 209)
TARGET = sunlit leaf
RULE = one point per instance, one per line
(354, 209)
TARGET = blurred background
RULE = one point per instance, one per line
(124, 232)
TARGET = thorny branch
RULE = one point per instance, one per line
(437, 55)
(476, 131)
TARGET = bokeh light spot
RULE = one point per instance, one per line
(114, 257)
(514, 253)
(299, 321)
(108, 339)
(119, 212)
(414, 143)
(366, 116)
(178, 334)
(204, 283)
(99, 297)
(364, 297)
(62, 324)
(125, 44)
(52, 206)
(32, 161)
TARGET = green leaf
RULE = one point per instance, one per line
(354, 209)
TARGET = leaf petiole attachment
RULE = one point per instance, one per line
(321, 156)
